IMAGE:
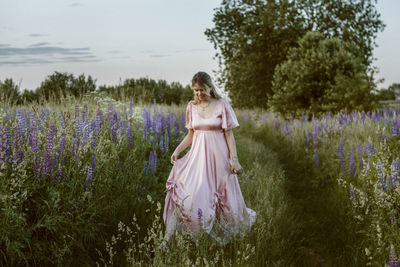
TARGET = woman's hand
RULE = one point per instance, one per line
(236, 168)
(174, 157)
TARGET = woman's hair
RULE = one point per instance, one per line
(204, 81)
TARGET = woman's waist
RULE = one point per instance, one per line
(209, 130)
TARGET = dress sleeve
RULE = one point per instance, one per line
(229, 120)
(188, 117)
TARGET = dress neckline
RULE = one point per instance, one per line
(218, 100)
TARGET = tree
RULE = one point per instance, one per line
(395, 89)
(9, 92)
(252, 37)
(321, 75)
(59, 85)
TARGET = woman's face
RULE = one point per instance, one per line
(199, 92)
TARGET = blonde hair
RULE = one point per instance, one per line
(204, 81)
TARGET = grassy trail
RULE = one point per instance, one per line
(321, 225)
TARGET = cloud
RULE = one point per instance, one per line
(39, 44)
(43, 53)
(158, 55)
(76, 4)
(36, 61)
(37, 35)
(115, 51)
(43, 50)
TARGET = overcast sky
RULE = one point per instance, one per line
(115, 40)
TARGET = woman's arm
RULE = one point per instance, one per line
(230, 140)
(187, 141)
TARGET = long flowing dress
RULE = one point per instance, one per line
(201, 190)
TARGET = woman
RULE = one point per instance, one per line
(203, 193)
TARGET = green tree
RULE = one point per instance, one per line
(321, 75)
(395, 89)
(9, 92)
(253, 36)
(58, 85)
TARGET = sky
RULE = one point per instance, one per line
(120, 39)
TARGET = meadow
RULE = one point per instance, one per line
(83, 183)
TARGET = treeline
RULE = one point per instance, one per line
(294, 56)
(58, 86)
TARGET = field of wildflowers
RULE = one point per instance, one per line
(360, 152)
(84, 183)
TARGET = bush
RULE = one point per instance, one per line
(322, 75)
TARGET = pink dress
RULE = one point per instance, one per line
(201, 189)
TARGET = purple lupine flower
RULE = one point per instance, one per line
(122, 129)
(303, 117)
(166, 143)
(394, 172)
(130, 143)
(146, 122)
(149, 163)
(370, 150)
(168, 124)
(352, 167)
(59, 174)
(61, 121)
(89, 177)
(97, 124)
(276, 123)
(152, 164)
(21, 124)
(341, 158)
(2, 146)
(363, 116)
(200, 217)
(78, 129)
(393, 260)
(380, 174)
(395, 129)
(86, 131)
(288, 130)
(18, 145)
(47, 159)
(177, 127)
(316, 157)
(8, 151)
(378, 115)
(387, 183)
(114, 127)
(93, 160)
(315, 139)
(305, 138)
(153, 170)
(161, 144)
(246, 117)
